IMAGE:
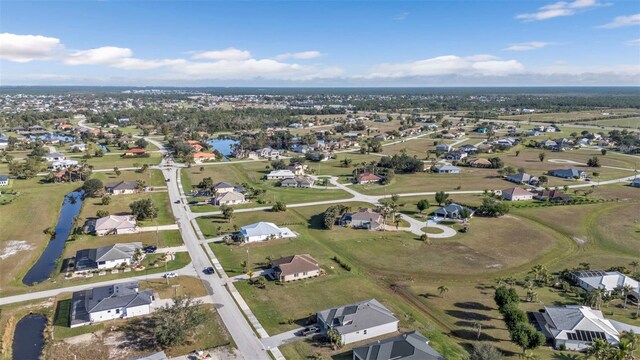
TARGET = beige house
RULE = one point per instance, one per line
(517, 194)
(122, 188)
(116, 225)
(295, 267)
(229, 198)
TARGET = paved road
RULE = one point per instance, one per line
(240, 330)
(186, 271)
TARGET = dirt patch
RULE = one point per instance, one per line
(12, 247)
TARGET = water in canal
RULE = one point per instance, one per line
(46, 264)
(28, 339)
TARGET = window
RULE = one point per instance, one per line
(295, 275)
(117, 311)
(365, 332)
(305, 273)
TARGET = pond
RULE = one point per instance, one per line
(46, 264)
(28, 339)
(224, 146)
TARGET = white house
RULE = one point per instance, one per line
(109, 302)
(116, 225)
(517, 194)
(359, 321)
(81, 147)
(106, 257)
(576, 327)
(280, 174)
(444, 148)
(446, 169)
(261, 231)
(4, 180)
(610, 281)
(54, 156)
(62, 164)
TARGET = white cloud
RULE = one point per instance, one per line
(621, 21)
(25, 48)
(482, 65)
(634, 42)
(116, 57)
(226, 54)
(300, 55)
(558, 9)
(533, 45)
(401, 16)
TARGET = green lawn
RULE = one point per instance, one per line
(252, 173)
(111, 161)
(151, 177)
(120, 205)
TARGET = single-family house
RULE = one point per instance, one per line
(410, 346)
(359, 321)
(456, 155)
(54, 156)
(135, 152)
(469, 149)
(481, 130)
(577, 327)
(568, 173)
(480, 163)
(523, 178)
(119, 301)
(446, 169)
(451, 211)
(367, 178)
(516, 194)
(80, 147)
(609, 281)
(280, 174)
(106, 257)
(116, 224)
(295, 267)
(298, 182)
(4, 180)
(299, 169)
(200, 157)
(121, 188)
(261, 231)
(552, 195)
(229, 198)
(443, 148)
(365, 219)
(62, 164)
(223, 187)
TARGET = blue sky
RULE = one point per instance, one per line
(328, 43)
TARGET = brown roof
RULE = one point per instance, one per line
(369, 177)
(516, 191)
(293, 264)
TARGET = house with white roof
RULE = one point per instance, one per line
(577, 327)
(116, 224)
(280, 174)
(54, 156)
(610, 281)
(62, 164)
(262, 231)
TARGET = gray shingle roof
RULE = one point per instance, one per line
(116, 297)
(411, 346)
(359, 316)
(122, 185)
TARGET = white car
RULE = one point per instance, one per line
(170, 275)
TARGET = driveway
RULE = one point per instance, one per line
(282, 338)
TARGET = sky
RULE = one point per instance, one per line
(320, 43)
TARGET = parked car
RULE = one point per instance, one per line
(170, 275)
(309, 330)
(209, 270)
(150, 249)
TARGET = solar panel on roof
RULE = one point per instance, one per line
(586, 336)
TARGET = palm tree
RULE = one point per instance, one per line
(634, 264)
(443, 290)
(478, 326)
(623, 351)
(250, 274)
(624, 292)
(600, 349)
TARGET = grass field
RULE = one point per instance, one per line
(570, 116)
(120, 205)
(252, 173)
(109, 162)
(631, 122)
(151, 177)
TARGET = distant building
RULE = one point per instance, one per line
(116, 225)
(367, 178)
(280, 174)
(54, 156)
(135, 152)
(451, 211)
(4, 180)
(568, 173)
(517, 194)
(229, 198)
(446, 169)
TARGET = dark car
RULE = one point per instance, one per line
(177, 201)
(209, 270)
(150, 249)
